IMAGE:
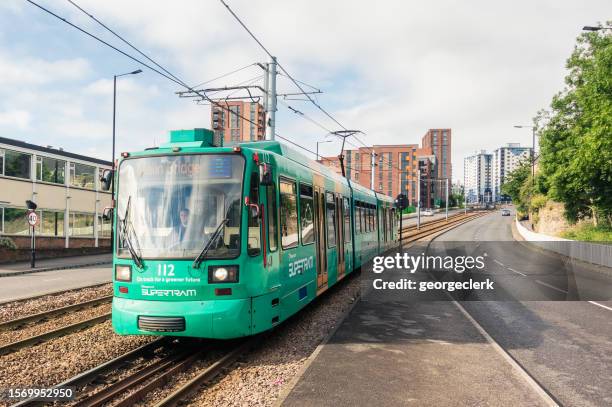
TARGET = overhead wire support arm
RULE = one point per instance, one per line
(344, 134)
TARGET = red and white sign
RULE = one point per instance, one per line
(33, 218)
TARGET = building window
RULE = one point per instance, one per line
(17, 164)
(288, 214)
(15, 222)
(235, 134)
(52, 223)
(306, 214)
(82, 176)
(234, 117)
(50, 170)
(81, 224)
(104, 228)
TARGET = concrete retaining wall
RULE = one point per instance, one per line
(596, 253)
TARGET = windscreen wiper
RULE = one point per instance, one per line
(125, 236)
(214, 237)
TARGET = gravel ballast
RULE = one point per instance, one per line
(18, 309)
(259, 377)
(59, 359)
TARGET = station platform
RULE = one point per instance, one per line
(60, 263)
(394, 350)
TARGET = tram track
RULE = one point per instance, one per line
(127, 380)
(409, 235)
(15, 327)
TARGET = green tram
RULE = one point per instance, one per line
(229, 241)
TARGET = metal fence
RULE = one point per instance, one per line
(596, 253)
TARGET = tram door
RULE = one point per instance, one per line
(319, 212)
(340, 236)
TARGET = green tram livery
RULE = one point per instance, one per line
(229, 241)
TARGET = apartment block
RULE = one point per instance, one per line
(477, 177)
(505, 160)
(238, 121)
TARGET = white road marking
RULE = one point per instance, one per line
(539, 390)
(499, 262)
(600, 305)
(52, 279)
(551, 286)
(517, 272)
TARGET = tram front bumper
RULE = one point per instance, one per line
(218, 319)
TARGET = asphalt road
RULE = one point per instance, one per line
(565, 345)
(28, 285)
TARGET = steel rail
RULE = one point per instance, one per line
(18, 322)
(36, 339)
(137, 378)
(207, 374)
(90, 375)
(440, 227)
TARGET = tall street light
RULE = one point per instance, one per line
(113, 156)
(533, 131)
(322, 142)
(593, 28)
(114, 115)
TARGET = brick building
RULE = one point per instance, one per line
(396, 168)
(247, 124)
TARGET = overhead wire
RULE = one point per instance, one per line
(263, 47)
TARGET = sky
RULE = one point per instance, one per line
(392, 69)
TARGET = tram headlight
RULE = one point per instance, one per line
(123, 273)
(223, 274)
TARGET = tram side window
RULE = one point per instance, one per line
(347, 220)
(362, 218)
(306, 214)
(254, 244)
(272, 220)
(359, 218)
(331, 220)
(288, 214)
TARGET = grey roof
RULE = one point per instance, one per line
(23, 144)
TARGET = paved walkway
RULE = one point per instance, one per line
(7, 270)
(30, 285)
(399, 349)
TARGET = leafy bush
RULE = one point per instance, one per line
(7, 243)
(590, 233)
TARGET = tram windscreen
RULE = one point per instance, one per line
(171, 206)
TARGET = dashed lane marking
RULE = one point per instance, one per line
(499, 262)
(517, 272)
(550, 286)
(600, 305)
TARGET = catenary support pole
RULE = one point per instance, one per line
(419, 199)
(271, 105)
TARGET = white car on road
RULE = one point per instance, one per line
(427, 212)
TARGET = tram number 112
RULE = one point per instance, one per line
(165, 270)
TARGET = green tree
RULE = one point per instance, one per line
(514, 186)
(576, 134)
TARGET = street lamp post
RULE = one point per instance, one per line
(593, 28)
(113, 154)
(533, 131)
(321, 142)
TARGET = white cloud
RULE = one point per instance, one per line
(19, 119)
(392, 68)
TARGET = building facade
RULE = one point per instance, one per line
(505, 160)
(66, 188)
(477, 177)
(439, 141)
(395, 170)
(243, 122)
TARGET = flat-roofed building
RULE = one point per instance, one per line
(66, 188)
(395, 172)
(238, 121)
